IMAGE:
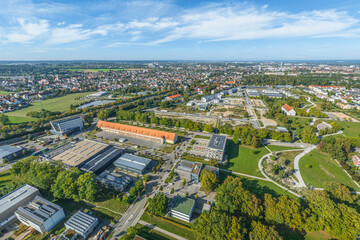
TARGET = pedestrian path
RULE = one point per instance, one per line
(161, 230)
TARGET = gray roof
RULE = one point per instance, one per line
(217, 142)
(132, 161)
(80, 222)
(16, 196)
(102, 160)
(7, 150)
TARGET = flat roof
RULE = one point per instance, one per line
(132, 161)
(183, 205)
(100, 161)
(16, 196)
(185, 165)
(65, 119)
(80, 222)
(217, 142)
(7, 150)
(78, 152)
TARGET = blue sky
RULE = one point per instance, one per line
(179, 30)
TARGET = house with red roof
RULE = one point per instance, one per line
(289, 111)
(356, 160)
(173, 97)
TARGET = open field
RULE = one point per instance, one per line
(244, 159)
(95, 69)
(54, 104)
(323, 169)
(351, 129)
(20, 119)
(340, 116)
(319, 235)
(5, 93)
(151, 234)
(170, 226)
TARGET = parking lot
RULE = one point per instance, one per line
(199, 147)
(130, 140)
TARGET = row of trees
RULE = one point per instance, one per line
(238, 214)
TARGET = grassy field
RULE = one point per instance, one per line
(299, 121)
(176, 228)
(244, 159)
(151, 234)
(323, 169)
(351, 129)
(55, 104)
(5, 93)
(275, 148)
(95, 69)
(319, 235)
(20, 119)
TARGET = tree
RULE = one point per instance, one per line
(103, 114)
(261, 232)
(236, 231)
(209, 180)
(146, 178)
(4, 119)
(89, 118)
(339, 191)
(254, 142)
(236, 137)
(212, 225)
(157, 205)
(208, 128)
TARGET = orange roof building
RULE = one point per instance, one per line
(174, 97)
(288, 110)
(139, 132)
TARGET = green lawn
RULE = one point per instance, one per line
(275, 148)
(55, 104)
(299, 121)
(244, 159)
(151, 234)
(20, 119)
(323, 169)
(5, 93)
(319, 235)
(351, 129)
(175, 227)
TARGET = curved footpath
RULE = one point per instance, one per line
(297, 173)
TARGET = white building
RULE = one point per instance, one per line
(83, 224)
(40, 214)
(67, 125)
(289, 111)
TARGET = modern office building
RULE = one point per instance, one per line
(138, 132)
(103, 161)
(216, 147)
(13, 200)
(40, 214)
(76, 154)
(132, 163)
(189, 170)
(67, 125)
(83, 224)
(183, 208)
(8, 152)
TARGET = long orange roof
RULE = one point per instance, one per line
(175, 96)
(137, 130)
(287, 107)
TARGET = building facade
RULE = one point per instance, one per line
(67, 125)
(216, 147)
(289, 111)
(83, 224)
(132, 163)
(183, 208)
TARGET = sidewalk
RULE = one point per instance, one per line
(161, 230)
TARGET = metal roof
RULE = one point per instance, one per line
(217, 142)
(16, 196)
(7, 150)
(103, 159)
(132, 161)
(80, 222)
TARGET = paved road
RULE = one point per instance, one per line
(297, 173)
(313, 105)
(161, 230)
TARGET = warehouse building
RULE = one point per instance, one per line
(103, 161)
(76, 154)
(40, 214)
(138, 132)
(183, 208)
(13, 200)
(8, 152)
(216, 147)
(82, 224)
(67, 125)
(189, 170)
(132, 163)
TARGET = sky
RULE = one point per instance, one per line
(179, 30)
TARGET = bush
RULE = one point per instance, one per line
(308, 166)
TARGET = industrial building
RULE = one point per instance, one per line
(138, 132)
(67, 125)
(189, 170)
(97, 94)
(183, 208)
(76, 154)
(82, 224)
(13, 200)
(132, 163)
(103, 161)
(8, 152)
(216, 147)
(114, 180)
(40, 214)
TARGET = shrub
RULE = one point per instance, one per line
(308, 166)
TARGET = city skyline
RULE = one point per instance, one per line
(179, 30)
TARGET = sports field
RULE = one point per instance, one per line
(55, 104)
(323, 169)
(244, 159)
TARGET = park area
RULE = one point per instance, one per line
(351, 129)
(317, 167)
(54, 104)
